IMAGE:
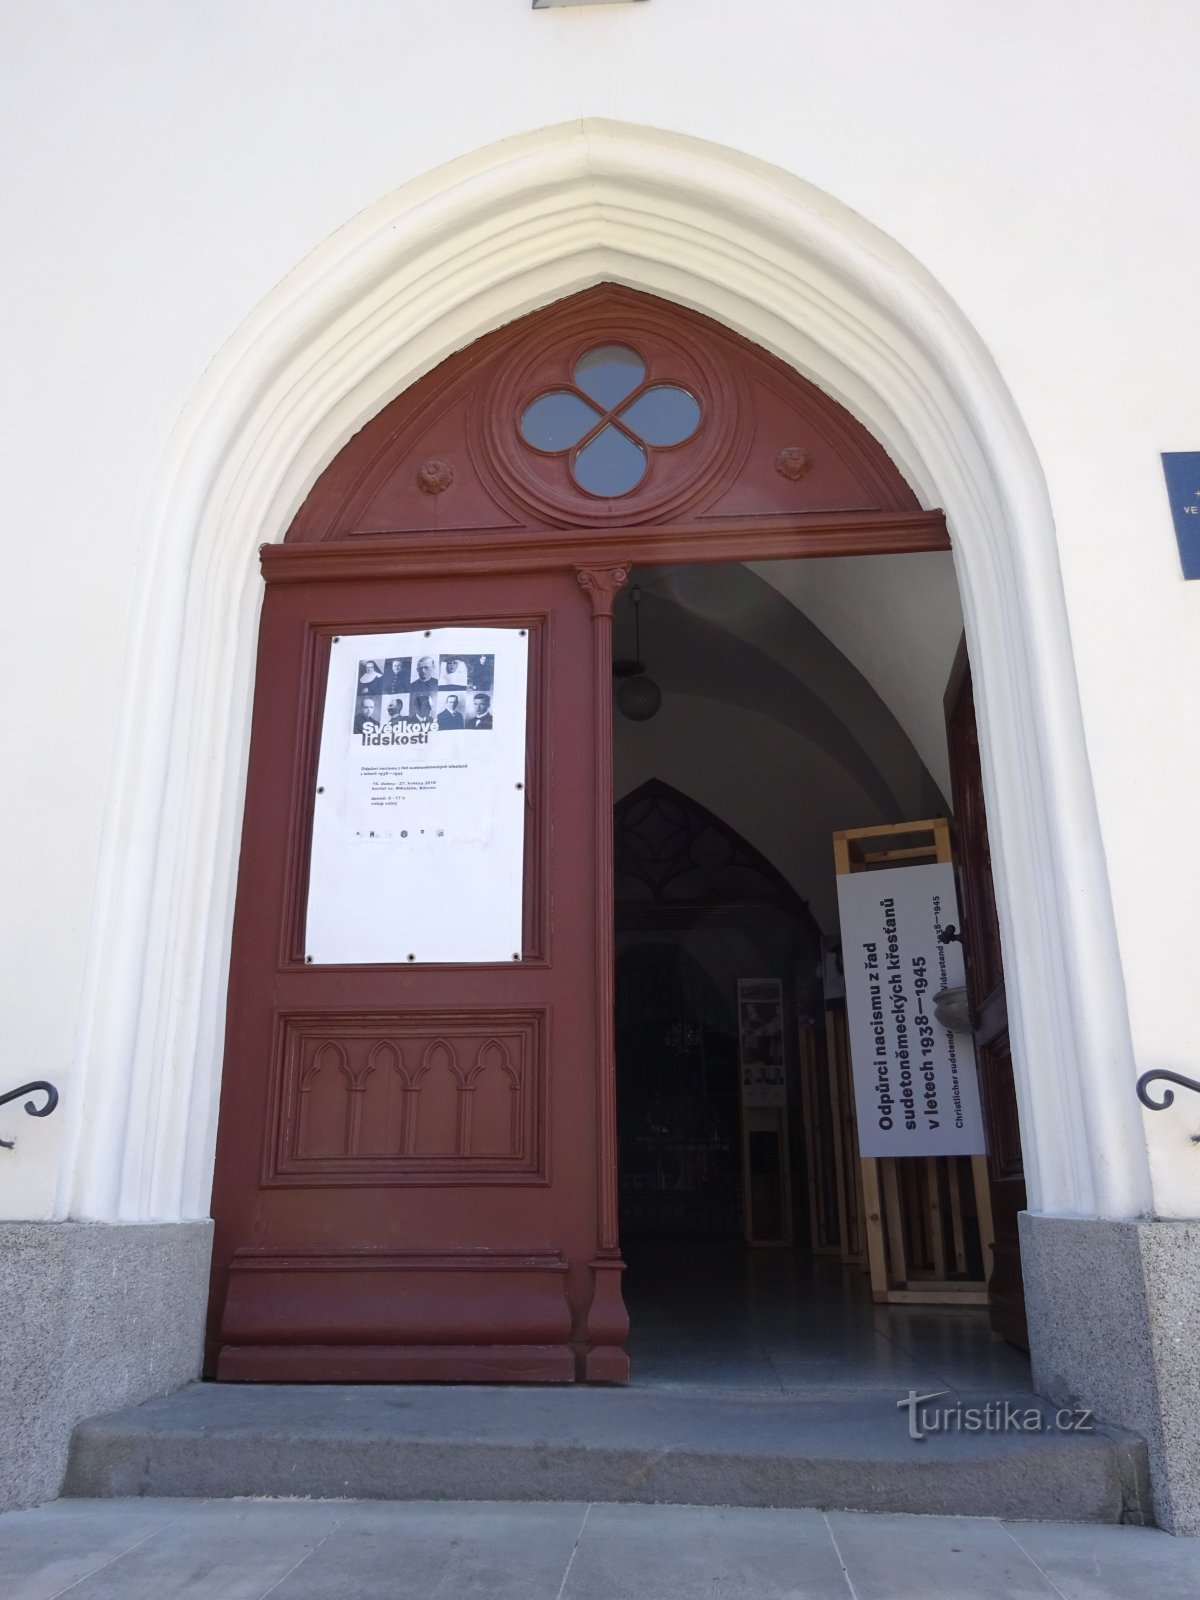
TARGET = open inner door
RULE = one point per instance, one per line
(985, 986)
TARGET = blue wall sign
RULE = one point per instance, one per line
(1181, 469)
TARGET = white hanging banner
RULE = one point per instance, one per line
(419, 816)
(915, 1085)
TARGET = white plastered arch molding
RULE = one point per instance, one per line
(432, 267)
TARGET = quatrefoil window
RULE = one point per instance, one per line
(609, 420)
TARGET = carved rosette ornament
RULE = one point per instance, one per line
(793, 463)
(434, 476)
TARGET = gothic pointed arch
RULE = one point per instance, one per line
(610, 408)
(394, 292)
(677, 864)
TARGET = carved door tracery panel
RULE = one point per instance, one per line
(393, 1097)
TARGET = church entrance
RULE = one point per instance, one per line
(470, 1091)
(741, 1215)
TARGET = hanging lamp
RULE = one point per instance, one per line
(638, 696)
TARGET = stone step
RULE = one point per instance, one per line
(639, 1444)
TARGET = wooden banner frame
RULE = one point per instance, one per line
(908, 1199)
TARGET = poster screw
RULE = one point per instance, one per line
(320, 788)
(412, 958)
(308, 959)
(519, 786)
(516, 955)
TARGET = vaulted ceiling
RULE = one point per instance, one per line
(799, 697)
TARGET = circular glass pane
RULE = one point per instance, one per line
(610, 464)
(557, 421)
(663, 415)
(608, 373)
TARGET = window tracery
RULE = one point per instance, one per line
(609, 419)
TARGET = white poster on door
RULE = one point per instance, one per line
(915, 1085)
(419, 815)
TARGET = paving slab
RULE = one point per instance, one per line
(1111, 1563)
(650, 1446)
(704, 1553)
(454, 1552)
(709, 1364)
(220, 1551)
(891, 1376)
(47, 1550)
(935, 1558)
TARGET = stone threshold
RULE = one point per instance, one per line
(642, 1444)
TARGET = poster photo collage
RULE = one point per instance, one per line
(408, 699)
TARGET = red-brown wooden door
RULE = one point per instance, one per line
(989, 1010)
(381, 1254)
(433, 1253)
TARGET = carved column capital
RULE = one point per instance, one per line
(601, 585)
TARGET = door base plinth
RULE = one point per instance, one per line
(606, 1364)
(513, 1363)
(607, 1324)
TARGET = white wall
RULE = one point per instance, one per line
(168, 165)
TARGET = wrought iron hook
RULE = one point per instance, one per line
(1168, 1095)
(47, 1089)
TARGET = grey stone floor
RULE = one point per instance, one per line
(709, 1315)
(328, 1549)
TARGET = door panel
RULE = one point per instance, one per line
(985, 986)
(406, 1182)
